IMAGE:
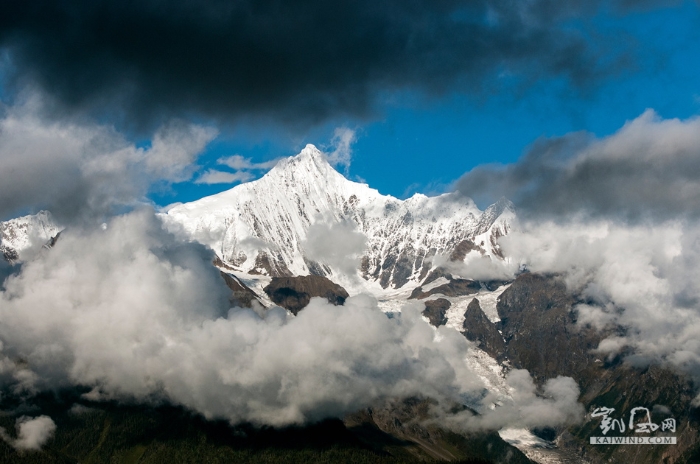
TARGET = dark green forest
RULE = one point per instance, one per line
(130, 434)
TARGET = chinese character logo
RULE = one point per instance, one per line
(607, 423)
(639, 421)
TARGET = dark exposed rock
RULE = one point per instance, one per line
(494, 243)
(418, 293)
(624, 387)
(242, 295)
(455, 287)
(435, 311)
(492, 285)
(480, 330)
(294, 293)
(426, 263)
(463, 248)
(403, 269)
(364, 267)
(397, 267)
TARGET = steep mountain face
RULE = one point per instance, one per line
(538, 324)
(262, 227)
(18, 236)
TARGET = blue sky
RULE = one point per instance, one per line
(418, 144)
(431, 89)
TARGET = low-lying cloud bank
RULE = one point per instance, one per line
(136, 313)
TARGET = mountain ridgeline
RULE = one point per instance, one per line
(263, 227)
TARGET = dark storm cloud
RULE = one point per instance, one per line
(301, 61)
(649, 169)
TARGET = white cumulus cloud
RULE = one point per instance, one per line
(32, 433)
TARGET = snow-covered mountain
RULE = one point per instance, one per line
(262, 227)
(21, 235)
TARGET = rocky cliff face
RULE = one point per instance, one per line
(263, 226)
(539, 326)
(436, 310)
(480, 330)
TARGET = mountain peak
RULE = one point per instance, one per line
(272, 225)
(309, 154)
(310, 161)
(311, 150)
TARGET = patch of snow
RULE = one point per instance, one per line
(536, 449)
(488, 301)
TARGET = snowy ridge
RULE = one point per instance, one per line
(20, 235)
(261, 227)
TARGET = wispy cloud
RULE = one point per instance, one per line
(212, 176)
(341, 143)
(244, 170)
(239, 162)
